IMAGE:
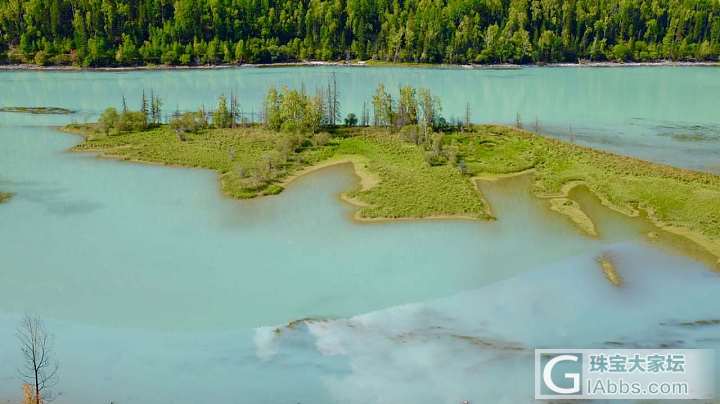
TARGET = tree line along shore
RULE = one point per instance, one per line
(207, 32)
(414, 163)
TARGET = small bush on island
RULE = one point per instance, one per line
(189, 122)
(131, 121)
(108, 120)
(112, 122)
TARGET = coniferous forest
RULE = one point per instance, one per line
(193, 32)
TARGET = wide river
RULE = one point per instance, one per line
(159, 290)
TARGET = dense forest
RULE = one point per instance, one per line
(191, 32)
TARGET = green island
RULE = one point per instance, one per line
(38, 110)
(5, 196)
(413, 164)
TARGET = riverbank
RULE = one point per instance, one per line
(357, 63)
(398, 183)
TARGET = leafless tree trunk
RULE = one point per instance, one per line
(336, 102)
(466, 125)
(39, 369)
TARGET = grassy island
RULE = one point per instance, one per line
(413, 163)
(407, 186)
(399, 182)
(38, 110)
(5, 196)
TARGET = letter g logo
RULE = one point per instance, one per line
(575, 377)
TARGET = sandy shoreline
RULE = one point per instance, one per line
(361, 63)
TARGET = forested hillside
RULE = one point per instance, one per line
(189, 32)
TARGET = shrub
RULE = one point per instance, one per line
(131, 121)
(433, 158)
(41, 58)
(320, 139)
(188, 122)
(108, 120)
(621, 52)
(411, 134)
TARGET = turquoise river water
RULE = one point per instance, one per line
(159, 290)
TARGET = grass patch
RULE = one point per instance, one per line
(247, 159)
(5, 196)
(409, 187)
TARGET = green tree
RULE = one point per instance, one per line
(383, 113)
(127, 53)
(407, 111)
(351, 120)
(108, 120)
(107, 32)
(222, 117)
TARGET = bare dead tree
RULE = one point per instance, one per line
(336, 103)
(466, 124)
(39, 370)
(365, 116)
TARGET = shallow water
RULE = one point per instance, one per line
(158, 289)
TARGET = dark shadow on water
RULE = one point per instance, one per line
(51, 199)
